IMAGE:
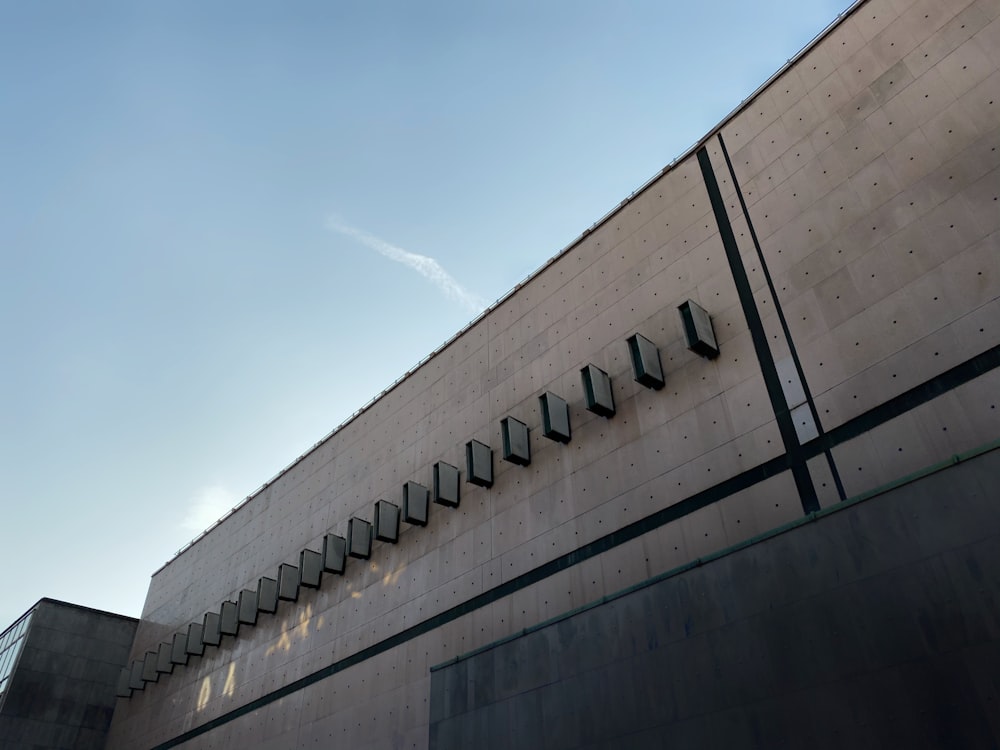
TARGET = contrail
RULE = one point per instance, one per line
(427, 267)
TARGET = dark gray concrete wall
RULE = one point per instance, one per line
(62, 694)
(877, 626)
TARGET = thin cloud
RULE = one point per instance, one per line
(207, 506)
(427, 267)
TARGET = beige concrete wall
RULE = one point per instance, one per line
(860, 304)
(870, 171)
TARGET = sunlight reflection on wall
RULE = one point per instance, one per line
(295, 629)
(204, 693)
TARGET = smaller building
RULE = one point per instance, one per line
(59, 667)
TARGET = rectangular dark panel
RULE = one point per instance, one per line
(416, 503)
(163, 663)
(447, 487)
(698, 330)
(194, 645)
(597, 387)
(122, 690)
(211, 632)
(178, 649)
(516, 445)
(386, 522)
(646, 362)
(310, 568)
(135, 680)
(359, 538)
(229, 618)
(288, 582)
(479, 464)
(555, 417)
(267, 595)
(334, 554)
(248, 607)
(149, 673)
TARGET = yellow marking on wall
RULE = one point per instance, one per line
(284, 643)
(230, 687)
(204, 693)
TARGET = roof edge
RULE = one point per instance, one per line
(576, 241)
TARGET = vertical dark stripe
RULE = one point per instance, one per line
(784, 323)
(796, 457)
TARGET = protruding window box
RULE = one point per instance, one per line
(211, 633)
(310, 568)
(386, 522)
(334, 554)
(447, 487)
(555, 418)
(288, 582)
(229, 620)
(135, 680)
(479, 464)
(646, 362)
(194, 646)
(248, 607)
(178, 649)
(123, 690)
(149, 673)
(359, 538)
(698, 330)
(597, 389)
(516, 444)
(415, 503)
(163, 663)
(267, 595)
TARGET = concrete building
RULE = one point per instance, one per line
(59, 667)
(722, 471)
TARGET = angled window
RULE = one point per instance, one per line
(516, 445)
(288, 582)
(135, 680)
(211, 632)
(597, 388)
(698, 330)
(415, 503)
(178, 649)
(229, 618)
(446, 485)
(646, 362)
(194, 646)
(386, 522)
(334, 554)
(359, 538)
(478, 464)
(555, 417)
(123, 690)
(149, 673)
(310, 568)
(163, 663)
(248, 607)
(267, 595)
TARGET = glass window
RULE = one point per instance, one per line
(11, 641)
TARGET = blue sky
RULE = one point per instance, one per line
(218, 219)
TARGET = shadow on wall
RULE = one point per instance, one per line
(873, 625)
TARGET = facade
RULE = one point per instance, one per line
(781, 331)
(865, 626)
(59, 666)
